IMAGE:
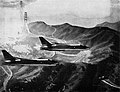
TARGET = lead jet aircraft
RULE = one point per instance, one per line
(46, 45)
(10, 60)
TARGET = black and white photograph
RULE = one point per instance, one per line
(59, 46)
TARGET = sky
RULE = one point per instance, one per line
(85, 13)
(83, 8)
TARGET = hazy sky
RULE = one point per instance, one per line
(86, 13)
(81, 8)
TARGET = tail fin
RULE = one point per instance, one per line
(6, 55)
(45, 42)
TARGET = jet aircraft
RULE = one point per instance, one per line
(46, 45)
(10, 60)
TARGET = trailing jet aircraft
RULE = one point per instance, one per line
(46, 45)
(10, 60)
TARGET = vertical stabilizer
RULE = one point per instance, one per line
(44, 42)
(6, 55)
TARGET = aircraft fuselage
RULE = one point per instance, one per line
(63, 47)
(38, 62)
